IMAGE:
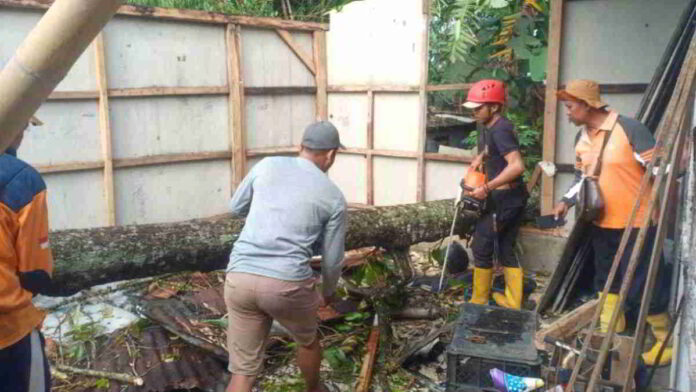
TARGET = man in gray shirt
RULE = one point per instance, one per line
(292, 208)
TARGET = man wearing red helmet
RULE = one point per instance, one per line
(501, 161)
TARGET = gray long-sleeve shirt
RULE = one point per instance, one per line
(292, 208)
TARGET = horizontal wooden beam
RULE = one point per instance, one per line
(185, 15)
(167, 91)
(448, 87)
(69, 167)
(135, 162)
(429, 156)
(375, 88)
(620, 88)
(289, 90)
(73, 95)
(380, 153)
(259, 152)
(171, 158)
(156, 91)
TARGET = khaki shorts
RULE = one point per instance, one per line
(253, 302)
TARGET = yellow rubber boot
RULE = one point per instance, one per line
(513, 289)
(659, 324)
(605, 317)
(482, 285)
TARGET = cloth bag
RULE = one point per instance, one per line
(590, 205)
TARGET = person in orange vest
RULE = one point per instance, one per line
(26, 265)
(501, 161)
(629, 149)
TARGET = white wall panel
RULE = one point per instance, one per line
(395, 180)
(278, 121)
(143, 53)
(442, 179)
(15, 24)
(348, 172)
(70, 133)
(268, 61)
(396, 121)
(167, 125)
(616, 41)
(376, 42)
(75, 200)
(348, 112)
(172, 192)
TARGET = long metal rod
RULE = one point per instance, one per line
(655, 259)
(45, 57)
(444, 262)
(662, 134)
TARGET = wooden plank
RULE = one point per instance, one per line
(299, 52)
(448, 87)
(135, 162)
(171, 158)
(69, 167)
(321, 77)
(423, 97)
(185, 15)
(620, 88)
(551, 105)
(370, 146)
(430, 156)
(236, 105)
(105, 129)
(363, 88)
(536, 175)
(260, 152)
(289, 90)
(73, 95)
(569, 324)
(380, 153)
(167, 91)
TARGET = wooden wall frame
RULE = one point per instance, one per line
(551, 105)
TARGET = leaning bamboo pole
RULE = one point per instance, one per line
(45, 57)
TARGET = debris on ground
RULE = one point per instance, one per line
(170, 332)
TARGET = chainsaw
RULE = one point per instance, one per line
(466, 202)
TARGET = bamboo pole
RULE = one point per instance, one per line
(45, 57)
(105, 129)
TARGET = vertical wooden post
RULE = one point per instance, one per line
(423, 96)
(105, 129)
(370, 147)
(321, 74)
(551, 106)
(236, 104)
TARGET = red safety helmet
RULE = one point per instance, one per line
(485, 91)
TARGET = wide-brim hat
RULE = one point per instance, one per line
(582, 90)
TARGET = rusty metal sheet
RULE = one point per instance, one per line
(164, 362)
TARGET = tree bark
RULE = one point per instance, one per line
(88, 257)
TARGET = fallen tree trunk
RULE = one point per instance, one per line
(88, 257)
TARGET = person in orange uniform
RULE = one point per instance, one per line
(504, 190)
(629, 149)
(26, 265)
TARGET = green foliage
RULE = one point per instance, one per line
(299, 9)
(372, 274)
(472, 40)
(102, 383)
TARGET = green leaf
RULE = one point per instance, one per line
(518, 45)
(102, 383)
(498, 3)
(537, 66)
(356, 316)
